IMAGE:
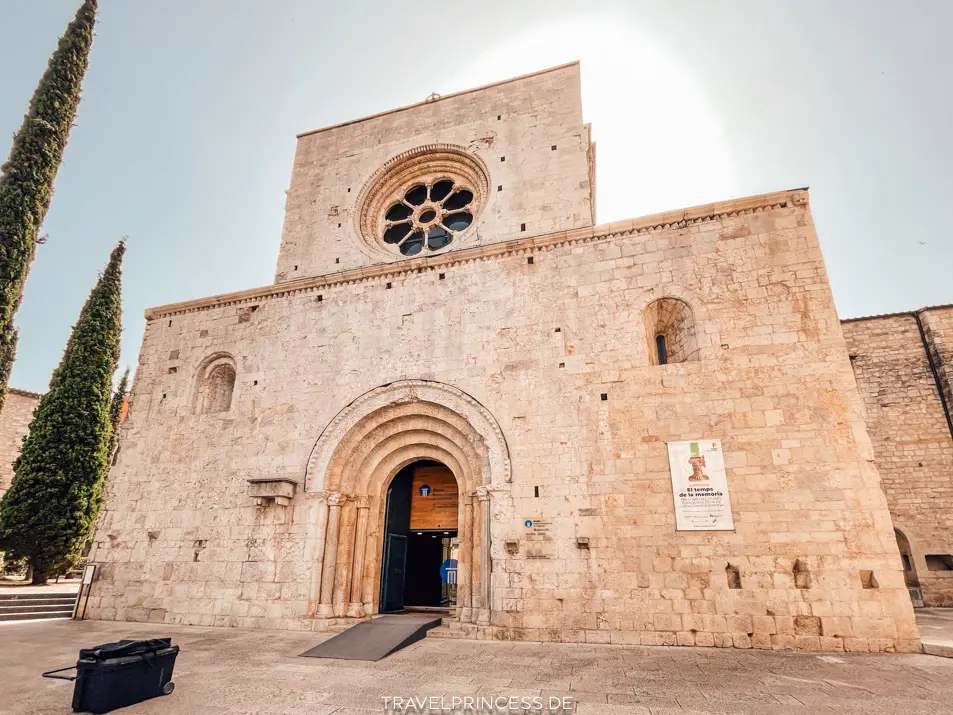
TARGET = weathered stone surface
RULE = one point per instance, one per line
(910, 431)
(14, 424)
(526, 367)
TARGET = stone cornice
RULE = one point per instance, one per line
(647, 224)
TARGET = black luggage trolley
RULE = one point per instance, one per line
(114, 675)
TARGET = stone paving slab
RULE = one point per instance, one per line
(240, 672)
(936, 630)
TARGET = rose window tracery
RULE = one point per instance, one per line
(423, 201)
(428, 216)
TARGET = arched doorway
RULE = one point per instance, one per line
(420, 545)
(355, 462)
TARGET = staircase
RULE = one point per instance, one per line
(26, 606)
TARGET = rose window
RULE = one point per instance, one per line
(423, 201)
(428, 217)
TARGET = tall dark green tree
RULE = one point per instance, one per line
(8, 355)
(115, 412)
(49, 510)
(26, 179)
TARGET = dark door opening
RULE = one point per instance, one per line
(419, 567)
(426, 582)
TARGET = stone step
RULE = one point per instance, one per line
(30, 615)
(46, 595)
(944, 649)
(36, 607)
(445, 631)
(37, 602)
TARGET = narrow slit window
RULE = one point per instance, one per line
(660, 349)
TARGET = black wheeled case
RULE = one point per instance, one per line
(114, 675)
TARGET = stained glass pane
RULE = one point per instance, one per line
(398, 212)
(396, 232)
(413, 245)
(417, 195)
(438, 238)
(458, 200)
(458, 221)
(440, 190)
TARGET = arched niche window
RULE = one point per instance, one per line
(670, 330)
(215, 385)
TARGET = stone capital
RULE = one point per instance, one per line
(482, 493)
(363, 502)
(337, 499)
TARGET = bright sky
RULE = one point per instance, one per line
(185, 136)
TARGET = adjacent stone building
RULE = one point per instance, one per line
(449, 323)
(15, 421)
(904, 365)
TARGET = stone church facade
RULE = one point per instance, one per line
(444, 296)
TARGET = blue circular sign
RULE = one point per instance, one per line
(528, 523)
(448, 571)
(425, 490)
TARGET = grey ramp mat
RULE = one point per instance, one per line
(374, 639)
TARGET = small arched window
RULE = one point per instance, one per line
(670, 320)
(216, 383)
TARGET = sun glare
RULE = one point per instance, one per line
(659, 144)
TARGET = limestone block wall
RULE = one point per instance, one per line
(555, 349)
(14, 425)
(528, 133)
(938, 331)
(910, 433)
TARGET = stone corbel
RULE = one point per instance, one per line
(265, 490)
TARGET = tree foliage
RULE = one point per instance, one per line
(26, 179)
(47, 514)
(8, 355)
(115, 413)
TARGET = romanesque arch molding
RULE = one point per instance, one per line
(354, 461)
(410, 410)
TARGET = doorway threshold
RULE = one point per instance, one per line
(427, 609)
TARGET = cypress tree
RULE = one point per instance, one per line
(47, 514)
(8, 354)
(26, 179)
(115, 413)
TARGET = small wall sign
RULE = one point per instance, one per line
(528, 523)
(448, 571)
(425, 490)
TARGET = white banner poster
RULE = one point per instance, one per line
(700, 486)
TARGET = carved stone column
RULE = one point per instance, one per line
(356, 607)
(465, 561)
(484, 496)
(335, 501)
(342, 577)
(317, 549)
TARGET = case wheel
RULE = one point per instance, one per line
(168, 688)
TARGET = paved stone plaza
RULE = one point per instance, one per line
(249, 672)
